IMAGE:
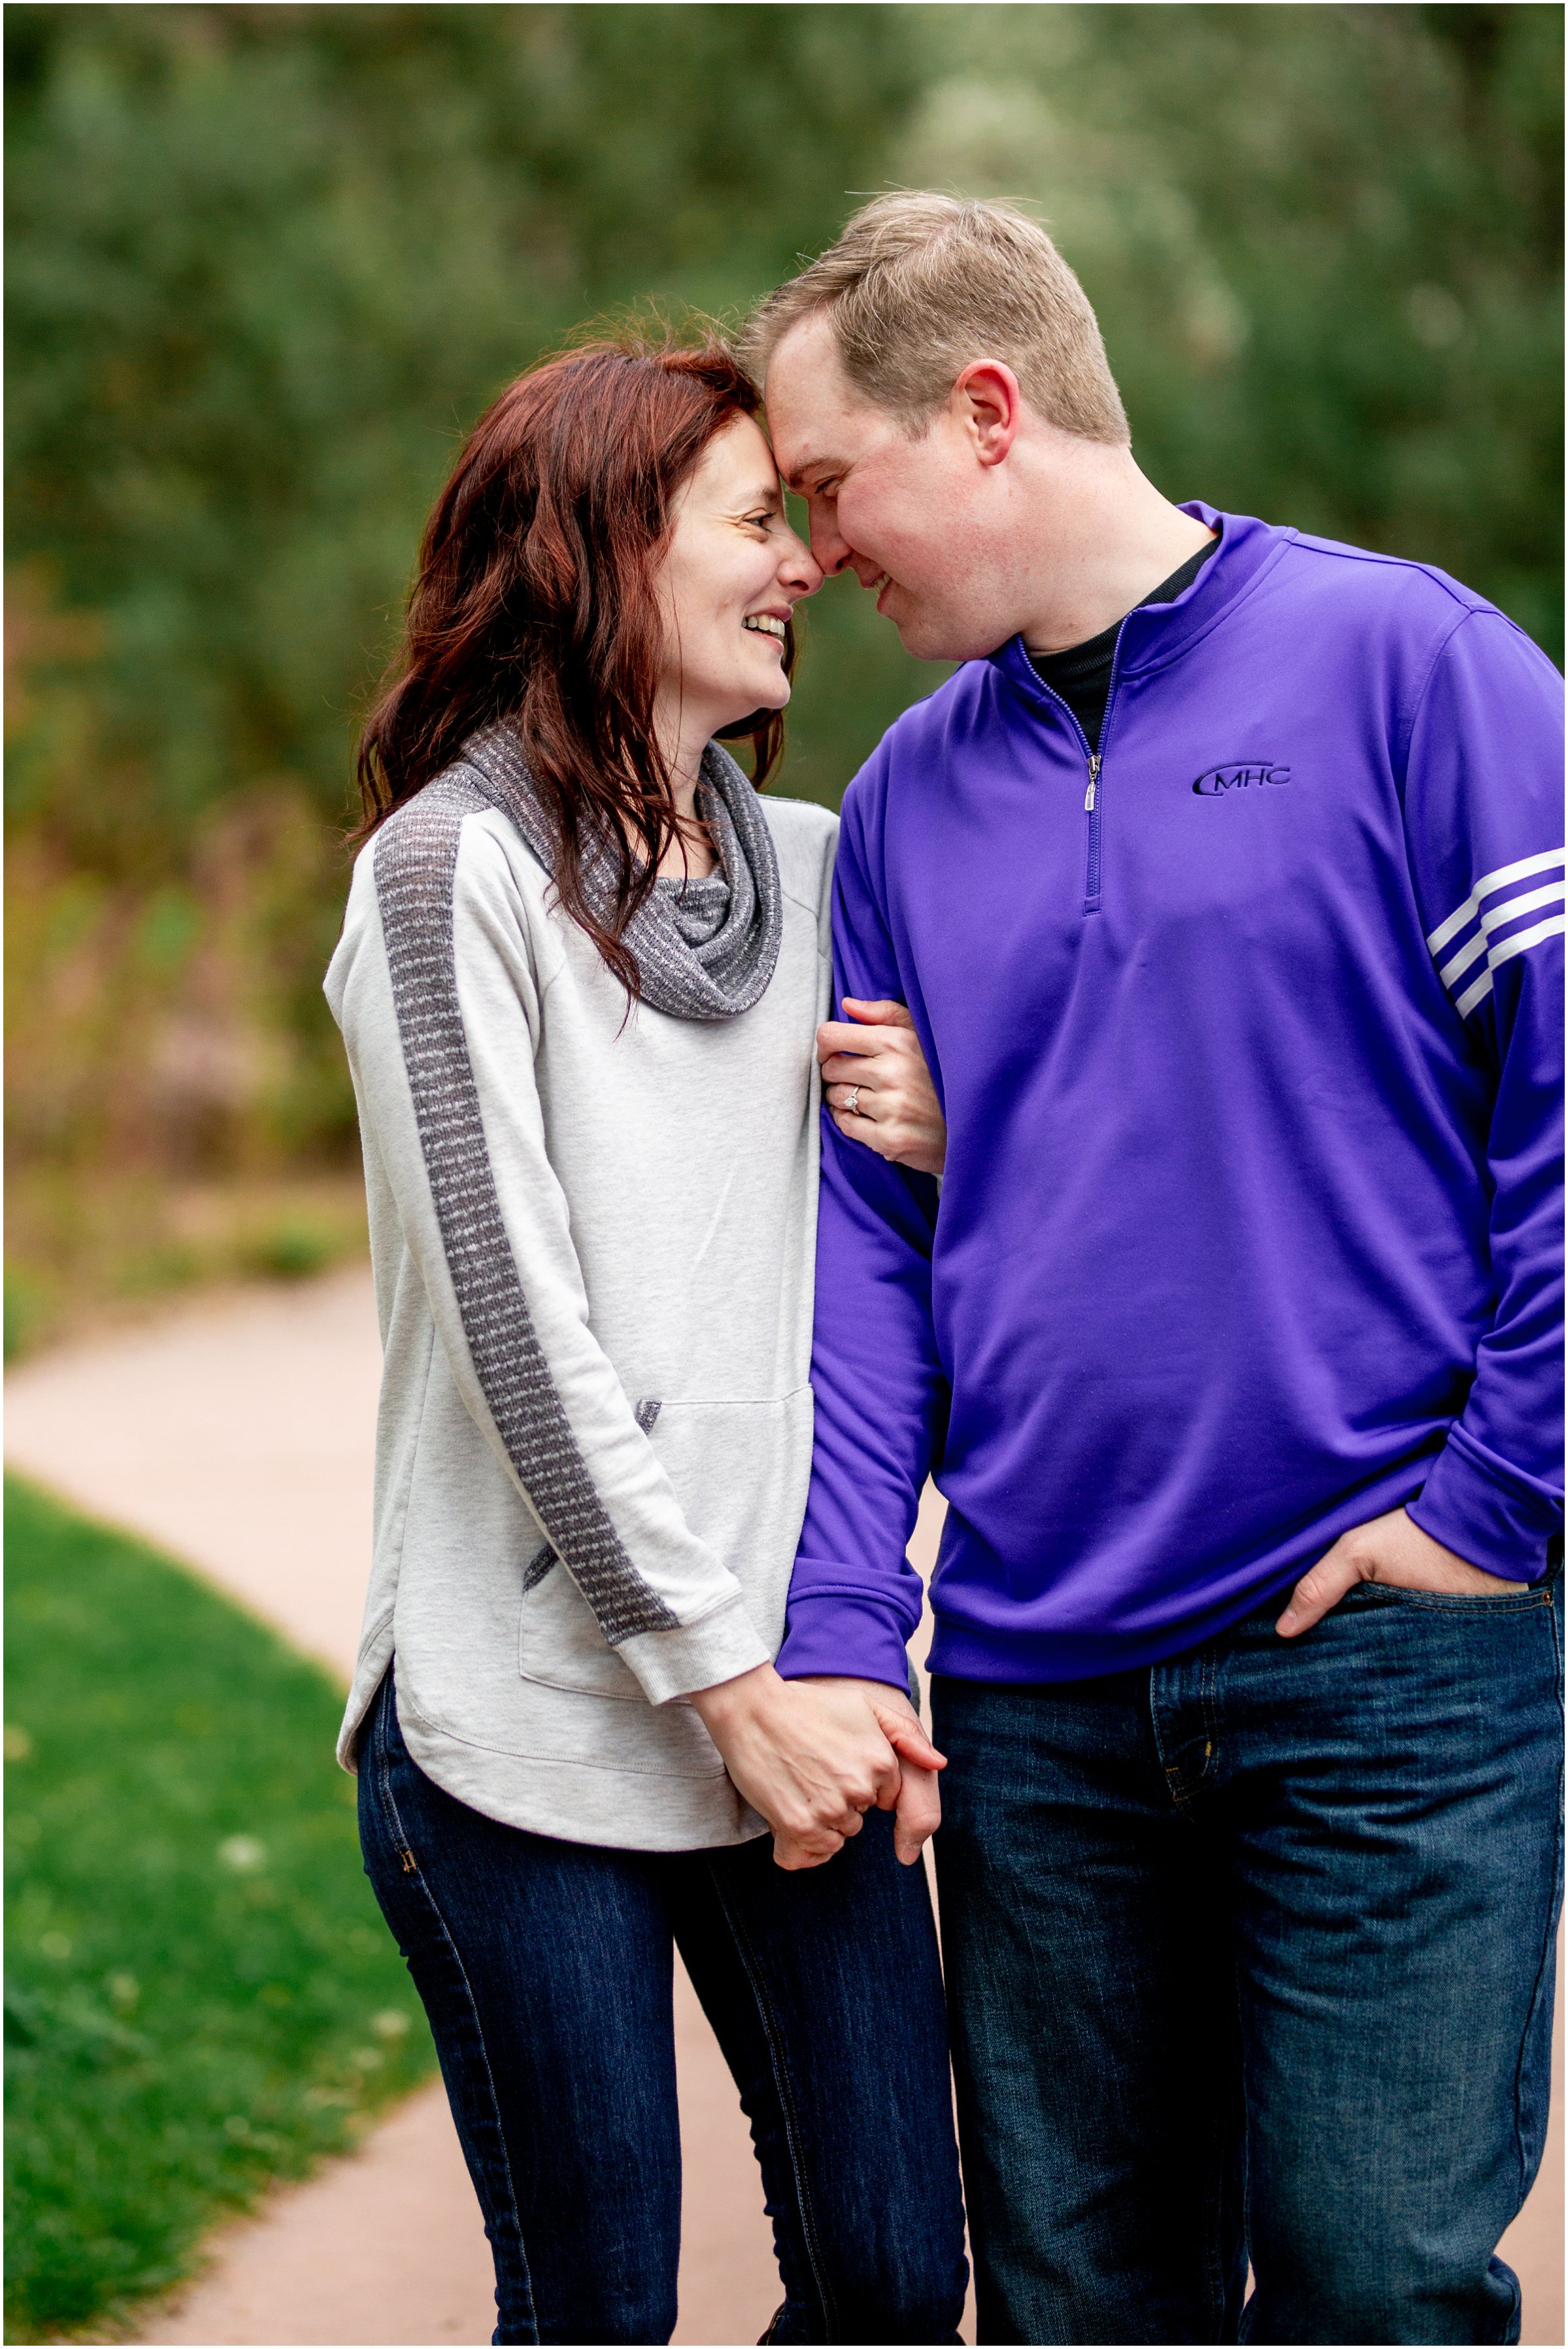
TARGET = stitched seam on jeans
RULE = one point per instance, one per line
(1214, 2262)
(1246, 2136)
(1453, 1602)
(784, 2090)
(1208, 1687)
(381, 1770)
(1543, 1974)
(1180, 1802)
(405, 1846)
(1213, 2255)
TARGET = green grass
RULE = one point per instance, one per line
(202, 1993)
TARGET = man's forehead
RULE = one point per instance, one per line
(813, 415)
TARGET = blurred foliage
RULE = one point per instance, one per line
(200, 1992)
(266, 264)
(86, 1243)
(1326, 248)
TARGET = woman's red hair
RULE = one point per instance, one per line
(535, 601)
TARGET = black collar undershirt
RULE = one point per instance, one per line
(1081, 673)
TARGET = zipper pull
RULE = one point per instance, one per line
(1093, 779)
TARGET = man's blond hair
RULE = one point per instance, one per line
(919, 285)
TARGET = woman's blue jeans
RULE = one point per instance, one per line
(546, 1967)
(1251, 1955)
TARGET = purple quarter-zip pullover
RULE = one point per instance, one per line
(1248, 1038)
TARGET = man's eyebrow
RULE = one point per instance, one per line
(794, 478)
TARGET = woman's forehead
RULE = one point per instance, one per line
(737, 464)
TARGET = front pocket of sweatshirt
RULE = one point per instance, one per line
(559, 1641)
(740, 1472)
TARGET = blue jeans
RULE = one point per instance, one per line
(1251, 1956)
(546, 1969)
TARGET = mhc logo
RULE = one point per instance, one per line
(1240, 775)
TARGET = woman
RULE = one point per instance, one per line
(578, 981)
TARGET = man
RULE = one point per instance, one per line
(1224, 885)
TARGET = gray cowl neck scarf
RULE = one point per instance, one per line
(705, 949)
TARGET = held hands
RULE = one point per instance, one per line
(1390, 1549)
(918, 1809)
(813, 1755)
(878, 1064)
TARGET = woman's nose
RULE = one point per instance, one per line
(801, 569)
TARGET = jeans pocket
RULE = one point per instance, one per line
(384, 1760)
(1450, 1602)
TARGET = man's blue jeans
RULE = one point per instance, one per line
(545, 1969)
(1251, 1956)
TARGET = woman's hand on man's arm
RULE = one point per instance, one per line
(879, 1089)
(813, 1756)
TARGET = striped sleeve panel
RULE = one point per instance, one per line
(416, 868)
(1506, 914)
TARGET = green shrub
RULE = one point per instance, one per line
(23, 1311)
(291, 1251)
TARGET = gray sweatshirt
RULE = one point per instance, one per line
(592, 1237)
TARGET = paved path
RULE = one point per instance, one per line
(236, 1431)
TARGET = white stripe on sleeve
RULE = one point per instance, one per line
(1487, 887)
(1504, 951)
(1553, 893)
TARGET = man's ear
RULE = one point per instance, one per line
(989, 407)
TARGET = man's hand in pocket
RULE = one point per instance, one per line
(1390, 1549)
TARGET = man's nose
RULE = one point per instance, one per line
(831, 548)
